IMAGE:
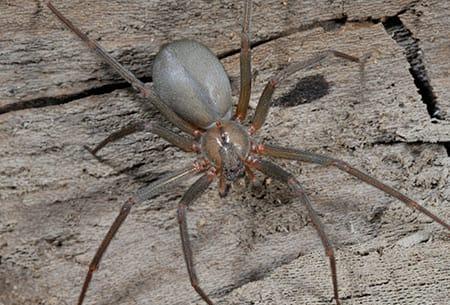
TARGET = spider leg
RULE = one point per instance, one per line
(272, 170)
(144, 193)
(187, 144)
(117, 135)
(127, 75)
(191, 194)
(245, 64)
(305, 156)
(262, 109)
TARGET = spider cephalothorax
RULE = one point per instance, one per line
(227, 146)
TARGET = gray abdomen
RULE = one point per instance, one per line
(190, 79)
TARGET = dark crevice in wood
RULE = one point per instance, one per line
(62, 99)
(327, 25)
(447, 147)
(355, 296)
(414, 54)
(393, 141)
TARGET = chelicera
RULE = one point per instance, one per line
(192, 90)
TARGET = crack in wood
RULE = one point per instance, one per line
(356, 296)
(327, 25)
(62, 99)
(414, 54)
(392, 141)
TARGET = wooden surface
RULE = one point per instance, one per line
(256, 246)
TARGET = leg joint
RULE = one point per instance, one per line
(339, 164)
(329, 251)
(93, 266)
(295, 186)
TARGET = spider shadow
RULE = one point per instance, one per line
(306, 90)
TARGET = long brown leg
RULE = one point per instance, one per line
(245, 64)
(127, 75)
(192, 193)
(300, 155)
(142, 195)
(263, 106)
(185, 143)
(273, 170)
(117, 135)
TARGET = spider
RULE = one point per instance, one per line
(192, 90)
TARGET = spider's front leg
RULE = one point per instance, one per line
(245, 65)
(143, 89)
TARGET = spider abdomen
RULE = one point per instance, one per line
(189, 78)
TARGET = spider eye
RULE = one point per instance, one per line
(224, 137)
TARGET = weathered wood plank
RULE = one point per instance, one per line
(58, 201)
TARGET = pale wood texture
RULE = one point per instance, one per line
(428, 23)
(256, 246)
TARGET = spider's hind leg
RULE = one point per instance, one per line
(306, 156)
(196, 189)
(143, 194)
(272, 170)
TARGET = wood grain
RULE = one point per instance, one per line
(256, 246)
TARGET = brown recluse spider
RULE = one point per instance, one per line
(193, 92)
